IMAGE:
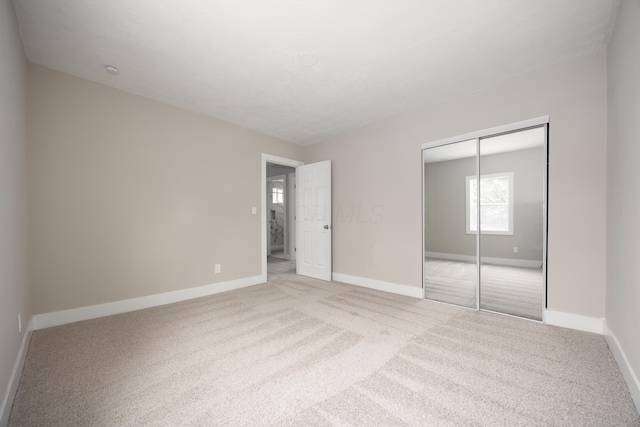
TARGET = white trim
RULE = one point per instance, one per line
(545, 216)
(478, 250)
(424, 219)
(573, 321)
(629, 375)
(14, 379)
(47, 320)
(268, 158)
(290, 254)
(512, 262)
(394, 288)
(488, 132)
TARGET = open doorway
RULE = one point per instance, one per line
(278, 214)
(311, 217)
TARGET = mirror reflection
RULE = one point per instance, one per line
(504, 200)
(512, 169)
(450, 266)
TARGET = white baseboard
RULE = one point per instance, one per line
(47, 320)
(511, 262)
(394, 288)
(573, 321)
(14, 380)
(629, 375)
(550, 317)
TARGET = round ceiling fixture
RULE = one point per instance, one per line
(308, 59)
(112, 70)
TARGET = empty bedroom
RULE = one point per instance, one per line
(319, 213)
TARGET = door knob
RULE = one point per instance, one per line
(327, 227)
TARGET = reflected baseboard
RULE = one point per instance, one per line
(512, 262)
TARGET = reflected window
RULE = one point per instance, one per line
(496, 204)
(277, 195)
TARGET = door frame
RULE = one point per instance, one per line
(291, 217)
(268, 158)
(477, 135)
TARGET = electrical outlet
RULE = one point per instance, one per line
(515, 249)
(19, 323)
(254, 210)
(218, 268)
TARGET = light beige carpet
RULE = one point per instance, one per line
(300, 352)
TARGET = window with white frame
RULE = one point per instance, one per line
(496, 204)
(277, 195)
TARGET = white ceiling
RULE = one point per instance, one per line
(307, 70)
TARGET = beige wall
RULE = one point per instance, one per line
(131, 197)
(623, 185)
(377, 180)
(14, 287)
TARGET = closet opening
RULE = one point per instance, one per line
(484, 219)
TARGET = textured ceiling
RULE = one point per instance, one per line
(306, 70)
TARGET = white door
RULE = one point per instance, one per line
(314, 220)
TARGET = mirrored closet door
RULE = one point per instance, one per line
(484, 222)
(450, 267)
